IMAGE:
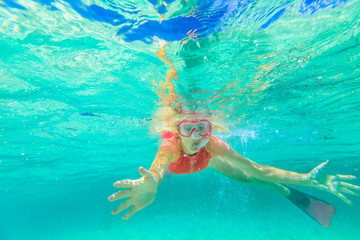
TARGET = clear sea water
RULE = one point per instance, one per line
(78, 82)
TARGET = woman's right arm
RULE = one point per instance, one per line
(142, 192)
(160, 164)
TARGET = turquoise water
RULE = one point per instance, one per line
(78, 83)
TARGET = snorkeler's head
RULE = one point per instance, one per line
(194, 134)
(167, 118)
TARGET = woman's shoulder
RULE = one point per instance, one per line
(167, 134)
(172, 143)
(217, 147)
(173, 146)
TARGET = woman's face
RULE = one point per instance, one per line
(197, 139)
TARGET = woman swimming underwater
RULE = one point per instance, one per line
(189, 147)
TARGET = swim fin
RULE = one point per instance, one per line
(319, 210)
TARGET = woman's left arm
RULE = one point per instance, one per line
(317, 178)
(264, 172)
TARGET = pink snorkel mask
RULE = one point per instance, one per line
(186, 128)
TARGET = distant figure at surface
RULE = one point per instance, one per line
(189, 147)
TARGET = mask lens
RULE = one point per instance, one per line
(203, 128)
(186, 128)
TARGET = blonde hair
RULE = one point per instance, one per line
(167, 118)
(171, 112)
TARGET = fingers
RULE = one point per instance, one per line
(124, 184)
(323, 165)
(323, 187)
(122, 206)
(317, 171)
(336, 192)
(119, 195)
(345, 190)
(346, 177)
(144, 172)
(348, 185)
(130, 183)
(129, 214)
(342, 197)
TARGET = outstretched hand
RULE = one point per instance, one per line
(333, 183)
(141, 193)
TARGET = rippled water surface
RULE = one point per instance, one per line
(78, 90)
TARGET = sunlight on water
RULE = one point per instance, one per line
(79, 83)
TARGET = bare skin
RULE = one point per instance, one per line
(142, 192)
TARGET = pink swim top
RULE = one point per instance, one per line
(183, 163)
